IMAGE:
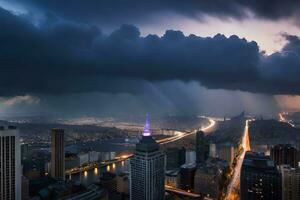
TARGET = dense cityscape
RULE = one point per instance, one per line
(149, 100)
(160, 164)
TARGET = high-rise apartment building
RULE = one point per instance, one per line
(284, 154)
(57, 154)
(10, 164)
(260, 179)
(202, 148)
(147, 169)
(290, 182)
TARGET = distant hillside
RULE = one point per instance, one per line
(229, 130)
(295, 117)
(30, 130)
(273, 131)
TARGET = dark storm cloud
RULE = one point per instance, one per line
(281, 70)
(120, 11)
(67, 57)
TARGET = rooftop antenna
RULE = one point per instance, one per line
(147, 127)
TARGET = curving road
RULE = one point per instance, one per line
(179, 135)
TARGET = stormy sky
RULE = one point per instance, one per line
(82, 58)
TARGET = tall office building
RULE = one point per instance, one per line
(260, 178)
(10, 164)
(147, 169)
(290, 182)
(284, 154)
(202, 148)
(57, 154)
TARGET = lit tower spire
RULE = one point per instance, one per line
(147, 127)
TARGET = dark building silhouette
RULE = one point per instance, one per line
(57, 154)
(175, 157)
(202, 148)
(290, 182)
(147, 169)
(260, 178)
(284, 154)
(109, 181)
(187, 176)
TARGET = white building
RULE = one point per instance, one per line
(108, 155)
(83, 158)
(212, 150)
(93, 156)
(226, 152)
(10, 164)
(190, 157)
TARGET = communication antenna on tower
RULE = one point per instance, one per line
(147, 127)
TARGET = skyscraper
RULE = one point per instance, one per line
(57, 154)
(284, 154)
(260, 178)
(10, 163)
(290, 182)
(147, 169)
(202, 148)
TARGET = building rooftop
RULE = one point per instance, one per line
(188, 166)
(147, 143)
(283, 146)
(258, 161)
(8, 127)
(173, 172)
(106, 176)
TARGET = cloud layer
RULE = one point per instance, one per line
(119, 11)
(59, 57)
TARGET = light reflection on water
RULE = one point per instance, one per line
(91, 176)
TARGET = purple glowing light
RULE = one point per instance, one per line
(147, 127)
